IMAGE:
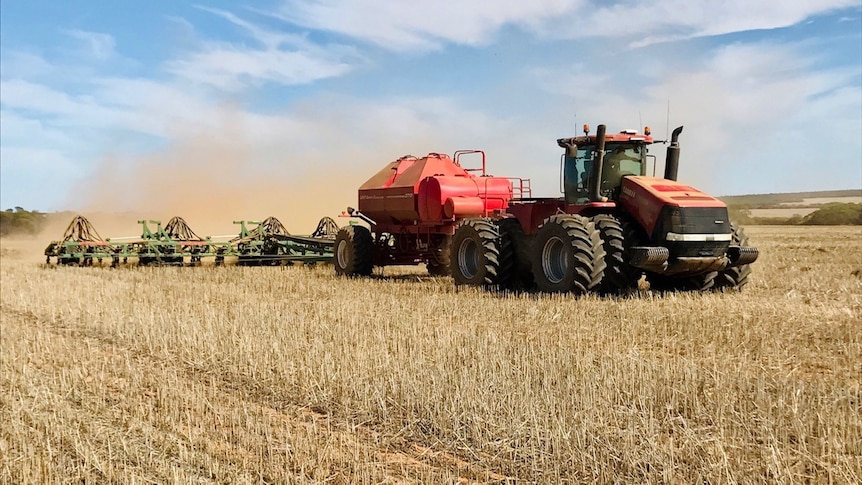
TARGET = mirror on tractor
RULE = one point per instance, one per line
(654, 163)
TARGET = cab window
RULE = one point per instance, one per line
(576, 175)
(621, 160)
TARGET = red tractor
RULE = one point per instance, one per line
(613, 225)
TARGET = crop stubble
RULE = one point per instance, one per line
(260, 374)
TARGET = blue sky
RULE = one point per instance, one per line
(293, 104)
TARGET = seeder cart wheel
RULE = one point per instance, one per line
(354, 248)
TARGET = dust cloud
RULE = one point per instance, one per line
(233, 164)
(215, 176)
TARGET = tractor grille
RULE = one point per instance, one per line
(693, 231)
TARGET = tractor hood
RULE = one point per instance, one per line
(650, 200)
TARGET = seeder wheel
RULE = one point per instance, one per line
(354, 248)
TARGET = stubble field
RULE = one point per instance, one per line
(268, 375)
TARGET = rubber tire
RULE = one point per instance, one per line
(736, 277)
(475, 253)
(580, 261)
(515, 246)
(618, 234)
(438, 264)
(353, 251)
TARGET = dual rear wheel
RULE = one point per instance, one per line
(566, 255)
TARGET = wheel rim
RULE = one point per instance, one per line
(555, 259)
(468, 258)
(341, 254)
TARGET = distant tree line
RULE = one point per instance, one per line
(832, 214)
(773, 201)
(19, 221)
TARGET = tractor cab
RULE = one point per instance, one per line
(593, 167)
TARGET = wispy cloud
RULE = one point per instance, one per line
(649, 22)
(96, 45)
(230, 67)
(281, 58)
(38, 98)
(405, 26)
(409, 25)
(271, 40)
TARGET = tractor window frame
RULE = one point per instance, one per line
(576, 175)
(621, 159)
(631, 160)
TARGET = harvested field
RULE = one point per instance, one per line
(249, 374)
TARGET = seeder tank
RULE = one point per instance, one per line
(434, 190)
(413, 206)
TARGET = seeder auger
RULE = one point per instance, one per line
(267, 243)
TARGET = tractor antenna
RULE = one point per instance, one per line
(640, 121)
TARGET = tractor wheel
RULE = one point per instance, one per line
(737, 277)
(618, 234)
(568, 255)
(438, 263)
(475, 253)
(354, 248)
(515, 246)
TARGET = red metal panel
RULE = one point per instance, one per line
(430, 208)
(411, 191)
(532, 213)
(644, 198)
(463, 207)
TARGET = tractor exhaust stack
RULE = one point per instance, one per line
(671, 164)
(596, 172)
